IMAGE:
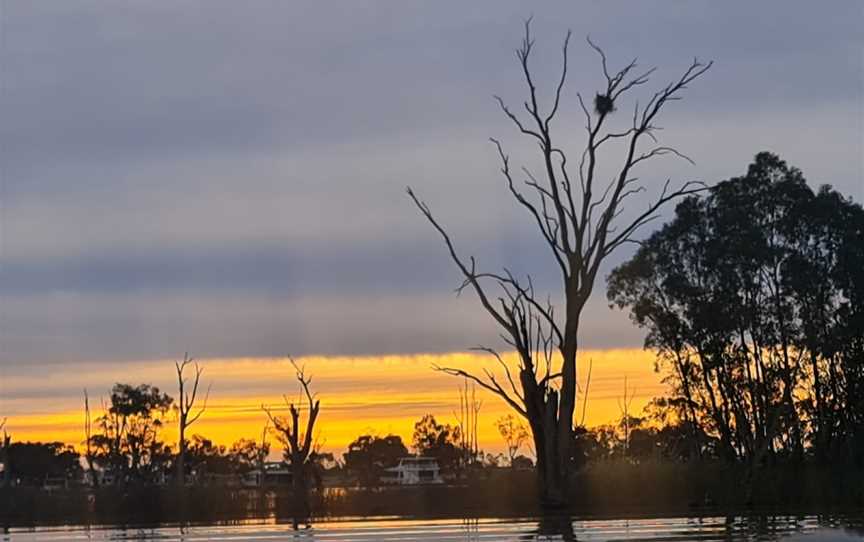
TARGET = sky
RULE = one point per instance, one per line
(228, 178)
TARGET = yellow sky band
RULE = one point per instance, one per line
(359, 395)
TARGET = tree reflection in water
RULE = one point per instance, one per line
(552, 528)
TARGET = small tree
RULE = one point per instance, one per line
(580, 220)
(185, 405)
(468, 423)
(248, 454)
(297, 440)
(88, 441)
(128, 440)
(514, 434)
(4, 455)
(627, 419)
(440, 441)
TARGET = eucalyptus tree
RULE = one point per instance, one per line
(578, 215)
(127, 442)
(751, 297)
(368, 457)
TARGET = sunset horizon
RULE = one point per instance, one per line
(360, 395)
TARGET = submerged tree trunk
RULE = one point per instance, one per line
(301, 510)
(551, 481)
(564, 410)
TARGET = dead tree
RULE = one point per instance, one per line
(468, 420)
(185, 405)
(514, 435)
(626, 419)
(88, 441)
(298, 441)
(579, 217)
(5, 443)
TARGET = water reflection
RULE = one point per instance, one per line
(557, 528)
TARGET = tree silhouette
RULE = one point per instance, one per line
(5, 443)
(88, 441)
(34, 463)
(297, 440)
(440, 441)
(185, 405)
(752, 298)
(514, 435)
(580, 220)
(128, 443)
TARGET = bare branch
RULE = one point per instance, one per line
(689, 188)
(492, 386)
(515, 119)
(505, 366)
(561, 81)
(585, 393)
(186, 400)
(469, 274)
(203, 406)
(548, 234)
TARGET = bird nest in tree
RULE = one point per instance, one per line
(603, 104)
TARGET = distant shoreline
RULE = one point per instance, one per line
(611, 490)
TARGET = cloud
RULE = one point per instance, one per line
(75, 327)
(233, 177)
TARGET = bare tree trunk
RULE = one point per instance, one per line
(556, 475)
(566, 410)
(181, 457)
(300, 491)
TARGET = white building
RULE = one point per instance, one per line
(415, 471)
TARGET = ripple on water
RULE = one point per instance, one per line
(810, 529)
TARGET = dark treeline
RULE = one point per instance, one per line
(128, 451)
(753, 298)
(125, 447)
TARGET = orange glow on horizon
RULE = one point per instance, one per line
(359, 395)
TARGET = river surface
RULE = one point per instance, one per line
(808, 528)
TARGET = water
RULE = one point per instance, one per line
(808, 528)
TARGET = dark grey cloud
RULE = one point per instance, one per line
(279, 268)
(229, 177)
